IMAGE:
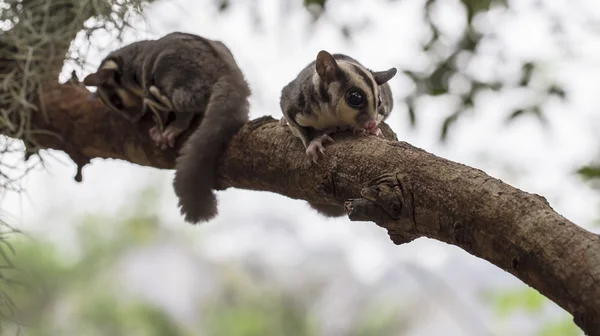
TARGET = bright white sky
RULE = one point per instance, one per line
(522, 154)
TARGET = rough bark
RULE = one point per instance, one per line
(403, 189)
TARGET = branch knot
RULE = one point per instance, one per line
(389, 202)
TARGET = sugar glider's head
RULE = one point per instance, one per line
(111, 87)
(354, 91)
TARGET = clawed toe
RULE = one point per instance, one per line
(377, 132)
(317, 145)
(157, 137)
(326, 137)
(171, 139)
(170, 135)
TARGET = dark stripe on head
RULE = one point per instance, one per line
(368, 79)
(343, 79)
(301, 100)
(110, 98)
(323, 93)
(311, 95)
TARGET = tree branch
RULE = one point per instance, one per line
(403, 189)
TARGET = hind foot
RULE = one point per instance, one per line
(170, 135)
(158, 138)
(377, 132)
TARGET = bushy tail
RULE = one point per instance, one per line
(195, 168)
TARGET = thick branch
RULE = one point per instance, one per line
(406, 190)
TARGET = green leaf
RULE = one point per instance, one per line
(589, 172)
(320, 3)
(557, 91)
(527, 70)
(223, 5)
(438, 81)
(533, 301)
(534, 110)
(450, 120)
(476, 6)
(527, 299)
(412, 117)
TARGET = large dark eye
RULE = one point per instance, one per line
(116, 101)
(379, 101)
(355, 98)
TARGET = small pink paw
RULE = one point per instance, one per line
(157, 137)
(316, 145)
(169, 136)
(377, 132)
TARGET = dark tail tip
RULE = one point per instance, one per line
(205, 210)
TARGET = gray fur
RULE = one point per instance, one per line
(120, 85)
(305, 97)
(302, 97)
(157, 63)
(195, 169)
(190, 76)
(387, 101)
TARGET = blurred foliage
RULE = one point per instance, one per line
(8, 269)
(55, 281)
(81, 290)
(378, 320)
(589, 172)
(249, 314)
(526, 300)
(449, 59)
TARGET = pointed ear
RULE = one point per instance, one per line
(327, 67)
(382, 77)
(99, 77)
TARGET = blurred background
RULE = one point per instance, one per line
(509, 87)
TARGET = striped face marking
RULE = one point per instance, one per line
(358, 95)
(112, 90)
(119, 99)
(350, 100)
(342, 93)
(110, 65)
(107, 80)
